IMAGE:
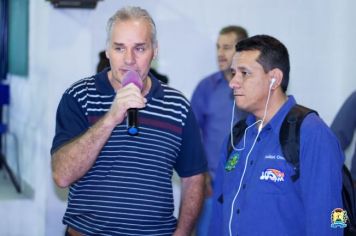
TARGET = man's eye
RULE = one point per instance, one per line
(245, 73)
(228, 47)
(233, 72)
(120, 49)
(140, 49)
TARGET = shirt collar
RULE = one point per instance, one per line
(277, 120)
(156, 90)
(102, 82)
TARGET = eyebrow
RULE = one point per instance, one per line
(225, 44)
(136, 44)
(242, 68)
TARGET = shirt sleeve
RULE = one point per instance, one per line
(344, 124)
(198, 103)
(320, 176)
(191, 159)
(70, 121)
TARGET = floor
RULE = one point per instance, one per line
(7, 189)
(18, 213)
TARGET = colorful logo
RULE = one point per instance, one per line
(232, 162)
(273, 175)
(339, 218)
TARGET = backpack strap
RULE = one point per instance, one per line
(348, 197)
(289, 136)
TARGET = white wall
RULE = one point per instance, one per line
(64, 46)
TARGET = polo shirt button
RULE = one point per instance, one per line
(243, 186)
(238, 211)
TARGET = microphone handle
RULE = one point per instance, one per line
(132, 121)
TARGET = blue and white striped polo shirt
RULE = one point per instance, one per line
(128, 191)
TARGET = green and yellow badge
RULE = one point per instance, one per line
(232, 162)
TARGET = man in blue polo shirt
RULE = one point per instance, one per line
(254, 193)
(120, 184)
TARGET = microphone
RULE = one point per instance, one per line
(131, 120)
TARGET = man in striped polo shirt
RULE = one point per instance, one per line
(122, 184)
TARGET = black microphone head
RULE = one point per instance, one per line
(132, 121)
(132, 76)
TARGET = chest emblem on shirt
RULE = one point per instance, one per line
(232, 162)
(272, 175)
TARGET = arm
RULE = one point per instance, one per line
(344, 124)
(191, 166)
(208, 185)
(73, 159)
(320, 176)
(191, 203)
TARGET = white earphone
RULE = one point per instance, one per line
(273, 80)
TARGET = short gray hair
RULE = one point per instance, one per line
(132, 13)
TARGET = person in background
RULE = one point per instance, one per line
(344, 126)
(121, 184)
(255, 192)
(212, 103)
(103, 62)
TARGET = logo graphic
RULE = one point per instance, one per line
(273, 175)
(339, 218)
(232, 162)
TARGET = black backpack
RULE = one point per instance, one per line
(289, 140)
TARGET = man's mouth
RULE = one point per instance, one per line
(222, 61)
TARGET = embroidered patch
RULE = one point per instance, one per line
(339, 218)
(273, 175)
(232, 162)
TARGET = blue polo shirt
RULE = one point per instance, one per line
(269, 202)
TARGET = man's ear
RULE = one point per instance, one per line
(277, 76)
(155, 53)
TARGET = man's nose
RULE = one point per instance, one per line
(129, 57)
(220, 51)
(235, 81)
